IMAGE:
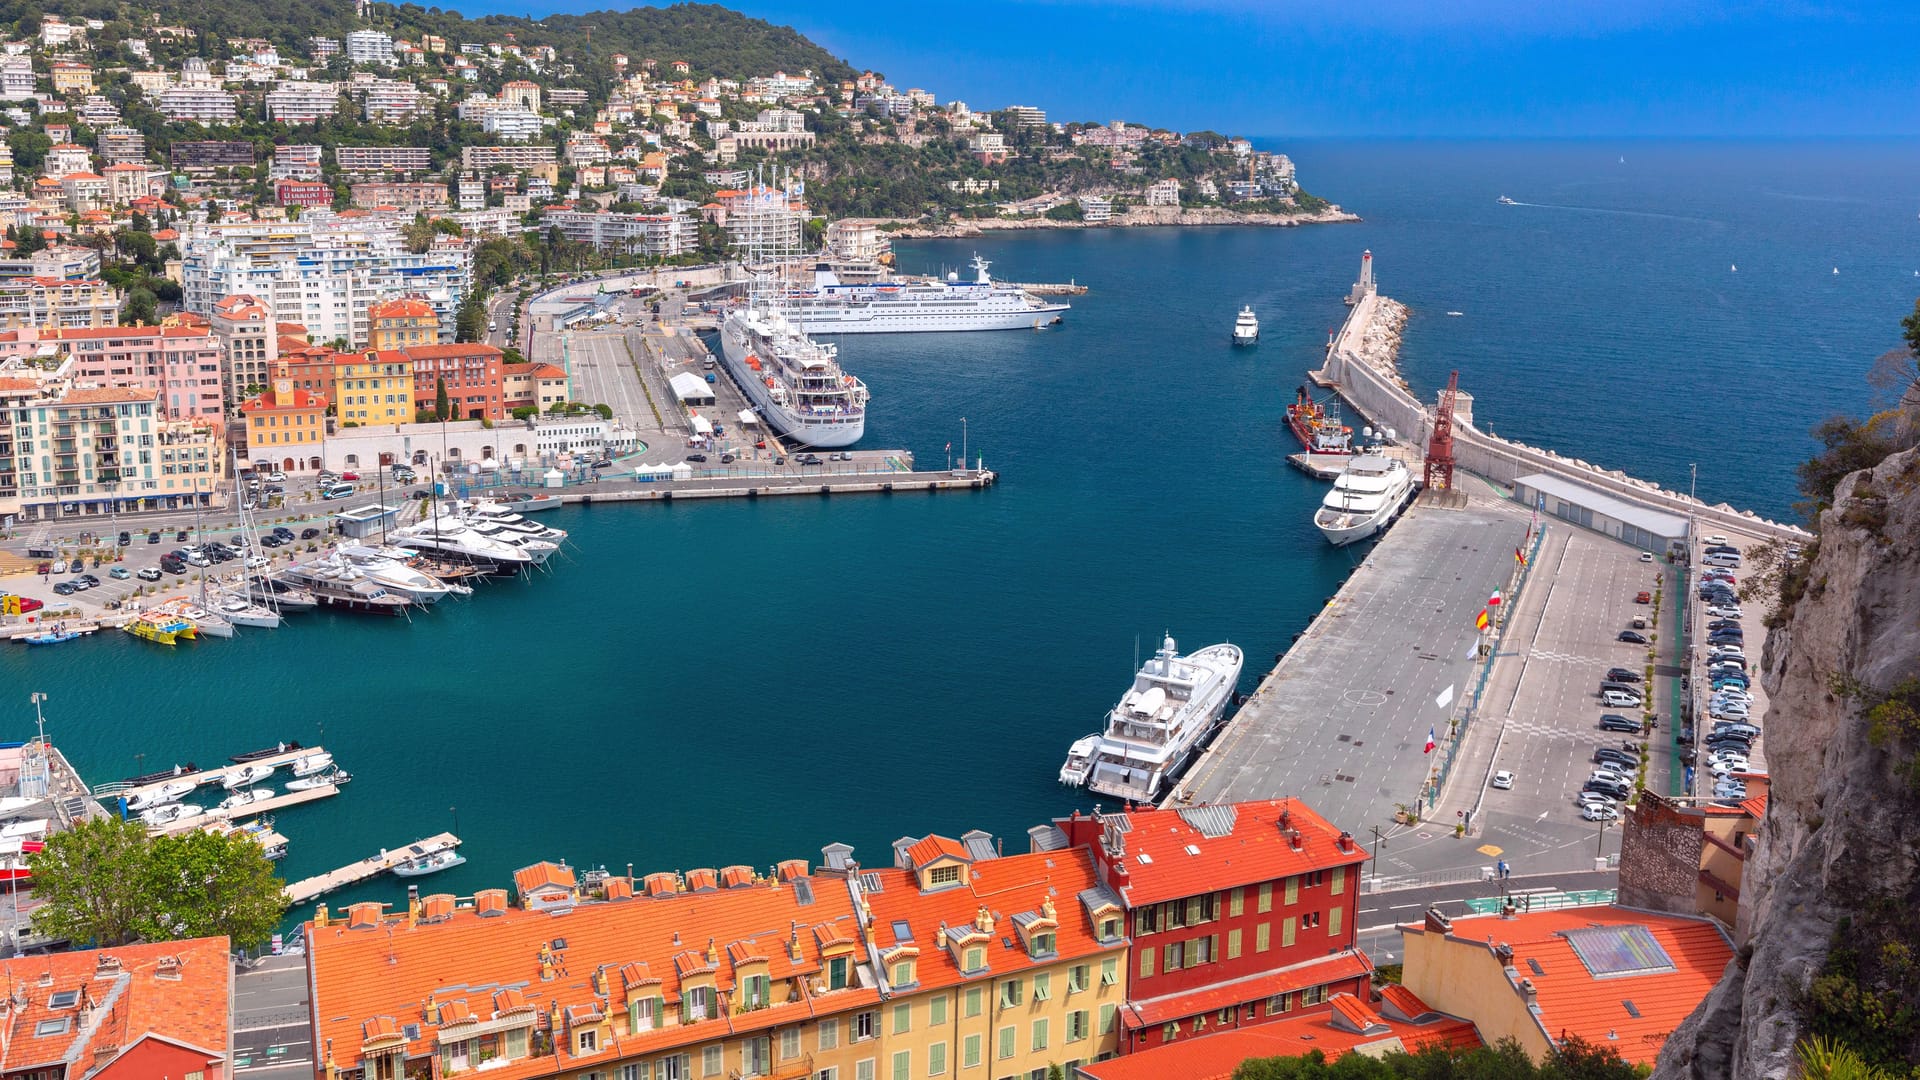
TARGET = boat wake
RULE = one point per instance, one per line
(1621, 213)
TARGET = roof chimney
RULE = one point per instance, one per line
(1436, 923)
(1529, 993)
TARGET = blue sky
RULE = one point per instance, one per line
(1392, 67)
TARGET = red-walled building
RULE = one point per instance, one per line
(303, 193)
(475, 386)
(1239, 913)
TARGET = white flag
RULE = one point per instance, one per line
(1473, 649)
(1446, 697)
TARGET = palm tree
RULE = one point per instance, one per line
(1822, 1058)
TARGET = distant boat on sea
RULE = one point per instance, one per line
(1504, 201)
(1731, 269)
(1455, 314)
(1836, 270)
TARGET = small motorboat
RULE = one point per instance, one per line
(246, 776)
(59, 635)
(430, 863)
(246, 798)
(271, 751)
(312, 763)
(171, 814)
(162, 795)
(333, 777)
(1455, 314)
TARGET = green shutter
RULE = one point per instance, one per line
(1146, 962)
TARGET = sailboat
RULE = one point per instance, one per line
(235, 605)
(1732, 269)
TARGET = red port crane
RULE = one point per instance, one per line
(1440, 447)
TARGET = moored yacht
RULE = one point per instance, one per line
(242, 612)
(283, 595)
(333, 586)
(1365, 497)
(1153, 733)
(375, 565)
(449, 538)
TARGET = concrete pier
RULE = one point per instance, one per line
(308, 888)
(750, 487)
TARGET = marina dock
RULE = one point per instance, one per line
(214, 776)
(307, 889)
(252, 809)
(749, 487)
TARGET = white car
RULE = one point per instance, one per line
(255, 562)
(1729, 711)
(1619, 699)
(276, 477)
(1503, 780)
(1611, 777)
(1592, 798)
(1596, 812)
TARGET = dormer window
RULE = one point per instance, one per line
(837, 973)
(1109, 928)
(904, 973)
(588, 1041)
(697, 1004)
(1041, 944)
(976, 958)
(942, 876)
(756, 991)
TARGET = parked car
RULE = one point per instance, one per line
(1607, 788)
(1643, 597)
(1620, 699)
(276, 477)
(349, 477)
(309, 533)
(148, 573)
(1596, 812)
(283, 532)
(1607, 755)
(1621, 674)
(1631, 637)
(153, 538)
(1623, 724)
(65, 588)
(697, 457)
(120, 573)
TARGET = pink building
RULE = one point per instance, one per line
(180, 363)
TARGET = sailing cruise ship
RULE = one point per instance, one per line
(1152, 734)
(795, 383)
(889, 307)
(1365, 497)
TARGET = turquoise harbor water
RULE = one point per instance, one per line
(698, 685)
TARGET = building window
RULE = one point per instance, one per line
(1041, 944)
(1261, 937)
(937, 1011)
(1236, 902)
(711, 1062)
(1109, 970)
(1077, 978)
(1279, 1003)
(1174, 958)
(1077, 1025)
(1233, 944)
(903, 1018)
(1039, 1034)
(1293, 890)
(1286, 932)
(903, 974)
(903, 1065)
(1010, 993)
(697, 1003)
(1209, 907)
(789, 1044)
(1264, 903)
(1170, 1032)
(1333, 922)
(974, 1001)
(863, 1025)
(829, 1034)
(1109, 1016)
(1109, 928)
(837, 973)
(1313, 995)
(943, 875)
(1042, 986)
(1339, 880)
(1147, 920)
(589, 1040)
(937, 1059)
(1007, 1036)
(755, 991)
(970, 1052)
(976, 958)
(1146, 962)
(863, 1070)
(1310, 920)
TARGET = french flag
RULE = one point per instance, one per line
(1430, 743)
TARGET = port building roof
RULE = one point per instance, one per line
(1669, 526)
(1403, 1022)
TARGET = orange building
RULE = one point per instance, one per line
(286, 425)
(472, 372)
(397, 324)
(133, 1013)
(530, 385)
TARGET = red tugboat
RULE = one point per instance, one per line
(1318, 426)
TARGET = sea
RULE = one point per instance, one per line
(743, 682)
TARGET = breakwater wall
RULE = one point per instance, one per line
(1360, 365)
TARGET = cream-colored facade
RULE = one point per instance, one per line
(367, 390)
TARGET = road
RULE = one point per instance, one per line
(1381, 913)
(272, 1020)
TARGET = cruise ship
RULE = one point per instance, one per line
(1364, 499)
(893, 307)
(1153, 733)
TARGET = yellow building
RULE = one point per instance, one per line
(190, 458)
(396, 324)
(286, 425)
(369, 390)
(959, 1001)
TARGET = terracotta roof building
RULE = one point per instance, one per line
(1400, 1021)
(724, 973)
(1615, 977)
(132, 1013)
(471, 371)
(1239, 913)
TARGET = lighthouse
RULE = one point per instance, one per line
(1364, 286)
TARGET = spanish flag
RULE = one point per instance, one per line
(1519, 557)
(1484, 619)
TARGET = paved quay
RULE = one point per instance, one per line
(1343, 720)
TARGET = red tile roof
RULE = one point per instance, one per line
(1170, 854)
(300, 399)
(398, 309)
(542, 875)
(102, 395)
(457, 350)
(1152, 1012)
(1572, 1000)
(174, 990)
(937, 847)
(395, 970)
(1214, 1057)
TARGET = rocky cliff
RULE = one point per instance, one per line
(1828, 903)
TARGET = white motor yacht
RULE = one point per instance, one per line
(1246, 327)
(1153, 733)
(312, 763)
(375, 566)
(449, 538)
(171, 792)
(245, 776)
(171, 813)
(487, 510)
(246, 797)
(1365, 498)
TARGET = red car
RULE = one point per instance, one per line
(349, 477)
(1644, 598)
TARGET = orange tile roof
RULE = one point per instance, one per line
(101, 395)
(1169, 854)
(1009, 886)
(1572, 1000)
(937, 847)
(541, 875)
(299, 400)
(459, 349)
(402, 308)
(175, 990)
(548, 371)
(1214, 1057)
(392, 970)
(1152, 1012)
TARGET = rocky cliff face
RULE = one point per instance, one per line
(1837, 872)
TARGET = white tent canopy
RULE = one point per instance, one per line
(701, 425)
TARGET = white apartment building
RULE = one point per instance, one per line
(370, 47)
(513, 157)
(294, 102)
(511, 124)
(653, 235)
(390, 102)
(300, 162)
(198, 104)
(322, 276)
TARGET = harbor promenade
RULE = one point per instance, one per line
(1343, 720)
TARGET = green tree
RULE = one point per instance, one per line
(86, 877)
(201, 884)
(442, 407)
(142, 308)
(605, 412)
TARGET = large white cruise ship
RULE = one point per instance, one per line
(891, 307)
(1152, 734)
(1365, 497)
(795, 383)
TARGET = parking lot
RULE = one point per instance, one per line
(1540, 716)
(1715, 678)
